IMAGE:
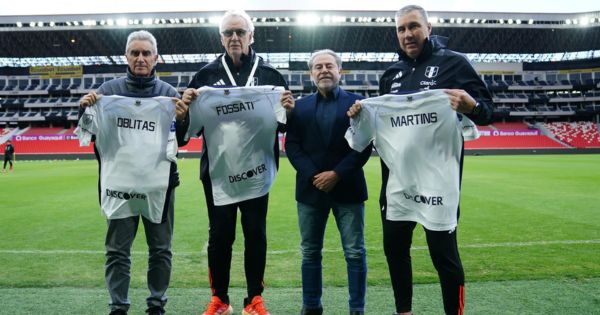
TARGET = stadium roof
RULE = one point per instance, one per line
(298, 32)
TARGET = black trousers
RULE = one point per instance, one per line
(8, 159)
(222, 222)
(443, 249)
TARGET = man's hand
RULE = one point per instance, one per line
(326, 181)
(189, 95)
(89, 99)
(181, 109)
(287, 101)
(461, 101)
(354, 110)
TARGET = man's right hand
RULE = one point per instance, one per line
(89, 99)
(354, 110)
(189, 95)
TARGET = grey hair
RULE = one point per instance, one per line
(237, 13)
(142, 35)
(410, 8)
(330, 52)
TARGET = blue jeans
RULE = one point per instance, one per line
(350, 219)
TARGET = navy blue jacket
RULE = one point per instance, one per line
(309, 154)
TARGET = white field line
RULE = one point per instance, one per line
(283, 252)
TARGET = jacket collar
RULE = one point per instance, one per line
(331, 95)
(246, 59)
(141, 83)
(432, 44)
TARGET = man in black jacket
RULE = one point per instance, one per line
(425, 63)
(9, 153)
(238, 66)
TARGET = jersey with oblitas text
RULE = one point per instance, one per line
(136, 143)
(238, 125)
(419, 137)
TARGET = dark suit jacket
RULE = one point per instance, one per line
(309, 154)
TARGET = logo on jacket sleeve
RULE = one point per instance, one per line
(431, 71)
(397, 76)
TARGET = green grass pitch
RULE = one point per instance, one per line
(529, 236)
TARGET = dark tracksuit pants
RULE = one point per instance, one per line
(119, 239)
(222, 222)
(443, 249)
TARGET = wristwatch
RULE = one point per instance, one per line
(476, 110)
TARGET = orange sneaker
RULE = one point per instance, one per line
(217, 307)
(256, 307)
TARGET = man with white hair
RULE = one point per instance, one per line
(142, 55)
(238, 66)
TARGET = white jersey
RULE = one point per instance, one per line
(420, 139)
(136, 141)
(239, 127)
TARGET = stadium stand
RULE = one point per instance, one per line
(551, 103)
(581, 134)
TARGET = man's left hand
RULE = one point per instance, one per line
(326, 181)
(181, 109)
(461, 101)
(287, 101)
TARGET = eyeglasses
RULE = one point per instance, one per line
(136, 53)
(240, 32)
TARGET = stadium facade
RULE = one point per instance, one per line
(543, 69)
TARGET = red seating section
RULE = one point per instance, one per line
(44, 131)
(511, 142)
(582, 134)
(511, 126)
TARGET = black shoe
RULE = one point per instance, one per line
(312, 311)
(155, 310)
(118, 312)
(357, 312)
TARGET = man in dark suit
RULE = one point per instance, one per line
(329, 177)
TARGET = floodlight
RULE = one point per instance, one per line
(584, 21)
(308, 19)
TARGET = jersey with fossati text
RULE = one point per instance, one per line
(238, 126)
(136, 143)
(420, 139)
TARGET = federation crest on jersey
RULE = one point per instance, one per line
(397, 76)
(431, 71)
(86, 121)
